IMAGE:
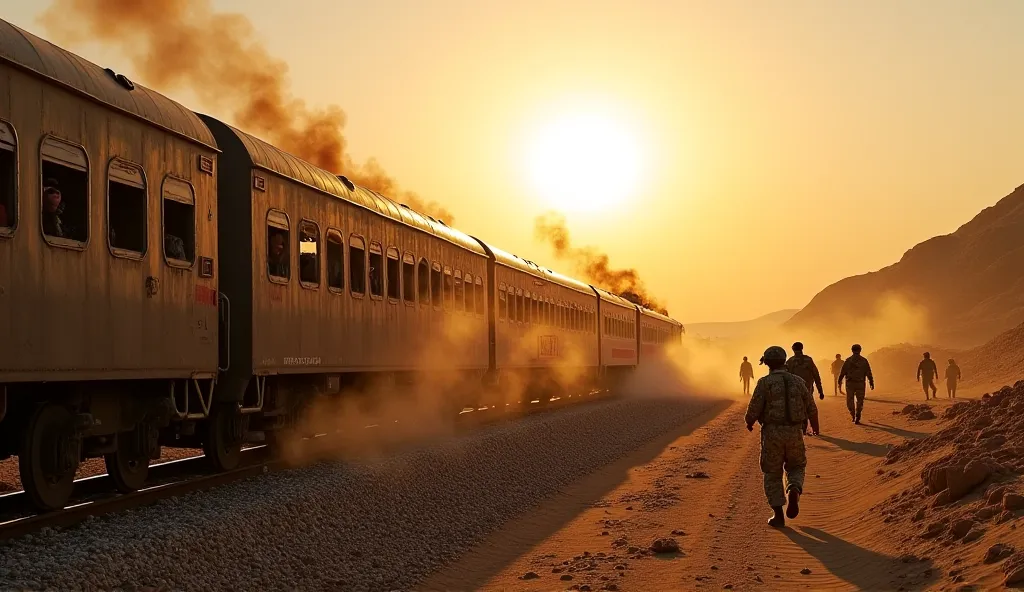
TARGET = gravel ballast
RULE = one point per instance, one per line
(380, 525)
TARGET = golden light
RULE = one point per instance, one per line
(585, 161)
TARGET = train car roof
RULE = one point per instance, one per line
(614, 299)
(38, 56)
(507, 259)
(274, 160)
(657, 315)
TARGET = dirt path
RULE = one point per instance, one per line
(727, 543)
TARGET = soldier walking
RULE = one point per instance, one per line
(855, 369)
(746, 373)
(804, 367)
(837, 366)
(953, 376)
(781, 403)
(926, 374)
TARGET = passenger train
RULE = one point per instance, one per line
(169, 280)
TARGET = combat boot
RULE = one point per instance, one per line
(779, 519)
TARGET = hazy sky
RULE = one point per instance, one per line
(783, 144)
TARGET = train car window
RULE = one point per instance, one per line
(423, 282)
(65, 194)
(126, 209)
(393, 277)
(481, 297)
(520, 313)
(409, 278)
(527, 308)
(470, 292)
(335, 261)
(278, 268)
(449, 288)
(179, 217)
(357, 265)
(376, 270)
(460, 292)
(435, 284)
(8, 179)
(536, 309)
(309, 254)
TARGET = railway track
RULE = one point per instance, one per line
(97, 496)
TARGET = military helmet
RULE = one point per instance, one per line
(774, 353)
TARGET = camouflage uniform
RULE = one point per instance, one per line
(803, 366)
(856, 369)
(781, 403)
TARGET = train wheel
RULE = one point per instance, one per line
(224, 436)
(129, 466)
(49, 456)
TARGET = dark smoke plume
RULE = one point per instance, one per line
(593, 264)
(185, 43)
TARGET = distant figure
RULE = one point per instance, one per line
(277, 259)
(926, 374)
(837, 367)
(855, 369)
(804, 367)
(746, 373)
(781, 404)
(53, 207)
(953, 376)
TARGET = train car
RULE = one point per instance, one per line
(108, 292)
(330, 285)
(657, 334)
(543, 328)
(618, 341)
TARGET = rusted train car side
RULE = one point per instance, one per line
(617, 326)
(108, 289)
(657, 334)
(543, 336)
(331, 285)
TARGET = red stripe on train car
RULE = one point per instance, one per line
(207, 296)
(622, 353)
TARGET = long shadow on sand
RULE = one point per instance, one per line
(510, 541)
(862, 568)
(895, 430)
(868, 448)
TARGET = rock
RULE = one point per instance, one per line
(612, 587)
(1006, 516)
(566, 578)
(974, 534)
(942, 499)
(1013, 502)
(678, 533)
(994, 443)
(961, 528)
(909, 409)
(1014, 574)
(935, 479)
(934, 529)
(998, 552)
(919, 515)
(698, 475)
(530, 575)
(995, 496)
(727, 587)
(986, 513)
(923, 415)
(805, 571)
(960, 482)
(665, 545)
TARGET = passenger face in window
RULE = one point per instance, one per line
(52, 208)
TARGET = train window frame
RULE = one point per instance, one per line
(409, 283)
(55, 143)
(124, 178)
(502, 302)
(436, 287)
(448, 287)
(376, 249)
(190, 200)
(469, 289)
(278, 219)
(9, 143)
(527, 313)
(388, 271)
(327, 259)
(423, 283)
(363, 283)
(520, 309)
(481, 297)
(298, 235)
(460, 292)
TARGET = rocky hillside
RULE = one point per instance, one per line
(970, 282)
(740, 328)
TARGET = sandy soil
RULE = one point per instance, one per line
(595, 535)
(10, 480)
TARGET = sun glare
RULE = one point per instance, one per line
(584, 162)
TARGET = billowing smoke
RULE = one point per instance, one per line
(186, 44)
(593, 264)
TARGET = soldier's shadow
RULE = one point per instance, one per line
(862, 568)
(878, 450)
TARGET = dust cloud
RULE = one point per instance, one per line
(593, 264)
(219, 56)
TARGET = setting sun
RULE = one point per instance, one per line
(584, 161)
